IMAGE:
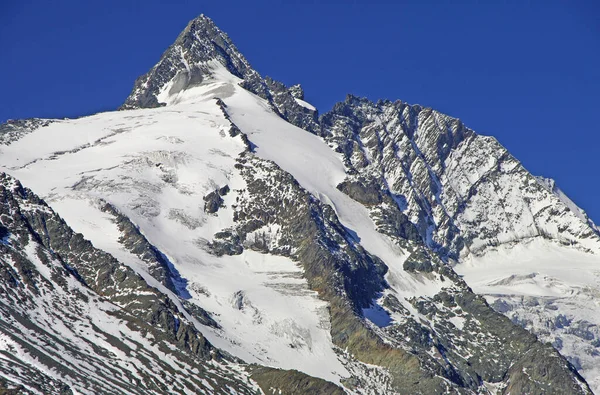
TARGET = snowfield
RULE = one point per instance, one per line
(552, 290)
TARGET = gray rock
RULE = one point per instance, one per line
(418, 261)
(362, 192)
(501, 306)
(200, 42)
(13, 130)
(213, 202)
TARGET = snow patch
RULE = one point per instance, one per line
(305, 104)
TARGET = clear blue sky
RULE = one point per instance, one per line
(528, 74)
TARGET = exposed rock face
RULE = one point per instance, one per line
(136, 243)
(214, 200)
(310, 232)
(285, 101)
(434, 192)
(465, 195)
(463, 191)
(294, 382)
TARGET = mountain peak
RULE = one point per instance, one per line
(199, 50)
(187, 62)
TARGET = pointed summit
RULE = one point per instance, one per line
(197, 52)
(187, 62)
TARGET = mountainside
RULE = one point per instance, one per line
(216, 235)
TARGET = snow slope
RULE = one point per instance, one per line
(155, 166)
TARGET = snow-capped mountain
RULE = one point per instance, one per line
(216, 235)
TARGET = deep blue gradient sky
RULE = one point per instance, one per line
(528, 74)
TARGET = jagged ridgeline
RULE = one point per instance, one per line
(218, 235)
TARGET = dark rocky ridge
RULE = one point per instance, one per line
(159, 265)
(95, 268)
(133, 240)
(292, 382)
(67, 257)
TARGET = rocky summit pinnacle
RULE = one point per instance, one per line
(187, 61)
(192, 58)
(218, 235)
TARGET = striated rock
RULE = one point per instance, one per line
(462, 191)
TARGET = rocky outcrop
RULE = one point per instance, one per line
(214, 200)
(135, 242)
(349, 278)
(292, 382)
(187, 63)
(190, 60)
